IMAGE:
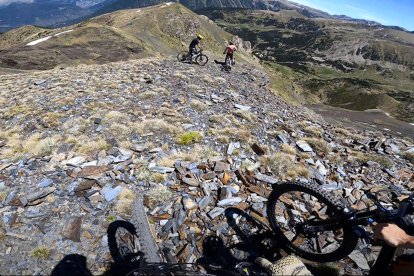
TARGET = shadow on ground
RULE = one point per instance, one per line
(254, 239)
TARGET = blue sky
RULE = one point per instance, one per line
(387, 12)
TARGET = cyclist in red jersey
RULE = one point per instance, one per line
(229, 51)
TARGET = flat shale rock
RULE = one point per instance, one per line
(303, 146)
(72, 229)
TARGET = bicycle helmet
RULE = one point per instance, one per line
(200, 36)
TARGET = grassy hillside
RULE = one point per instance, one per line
(154, 31)
(22, 35)
(341, 63)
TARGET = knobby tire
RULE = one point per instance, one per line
(350, 238)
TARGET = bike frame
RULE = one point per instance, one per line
(357, 218)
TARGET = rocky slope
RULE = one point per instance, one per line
(80, 145)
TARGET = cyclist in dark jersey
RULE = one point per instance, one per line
(193, 46)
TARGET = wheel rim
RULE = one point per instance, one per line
(182, 56)
(202, 59)
(294, 212)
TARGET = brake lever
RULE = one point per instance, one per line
(362, 234)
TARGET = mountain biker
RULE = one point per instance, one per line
(229, 51)
(397, 237)
(192, 49)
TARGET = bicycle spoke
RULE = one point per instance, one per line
(296, 210)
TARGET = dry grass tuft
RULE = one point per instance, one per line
(166, 162)
(158, 177)
(313, 130)
(409, 156)
(93, 147)
(246, 164)
(35, 145)
(143, 174)
(126, 144)
(279, 164)
(156, 126)
(116, 116)
(3, 196)
(286, 148)
(160, 193)
(122, 131)
(52, 118)
(197, 153)
(208, 79)
(247, 115)
(363, 158)
(240, 134)
(342, 131)
(125, 203)
(161, 90)
(2, 234)
(301, 170)
(215, 119)
(223, 139)
(198, 105)
(319, 144)
(19, 110)
(335, 158)
(147, 95)
(181, 76)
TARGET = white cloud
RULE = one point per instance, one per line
(6, 2)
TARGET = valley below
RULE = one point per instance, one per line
(375, 120)
(338, 63)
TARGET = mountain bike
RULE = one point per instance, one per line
(318, 227)
(199, 57)
(226, 65)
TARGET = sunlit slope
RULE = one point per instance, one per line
(154, 31)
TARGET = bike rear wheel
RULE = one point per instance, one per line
(201, 59)
(182, 56)
(293, 208)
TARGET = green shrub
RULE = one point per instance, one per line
(189, 137)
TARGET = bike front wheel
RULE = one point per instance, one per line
(201, 60)
(182, 56)
(307, 222)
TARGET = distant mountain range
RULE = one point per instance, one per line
(58, 13)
